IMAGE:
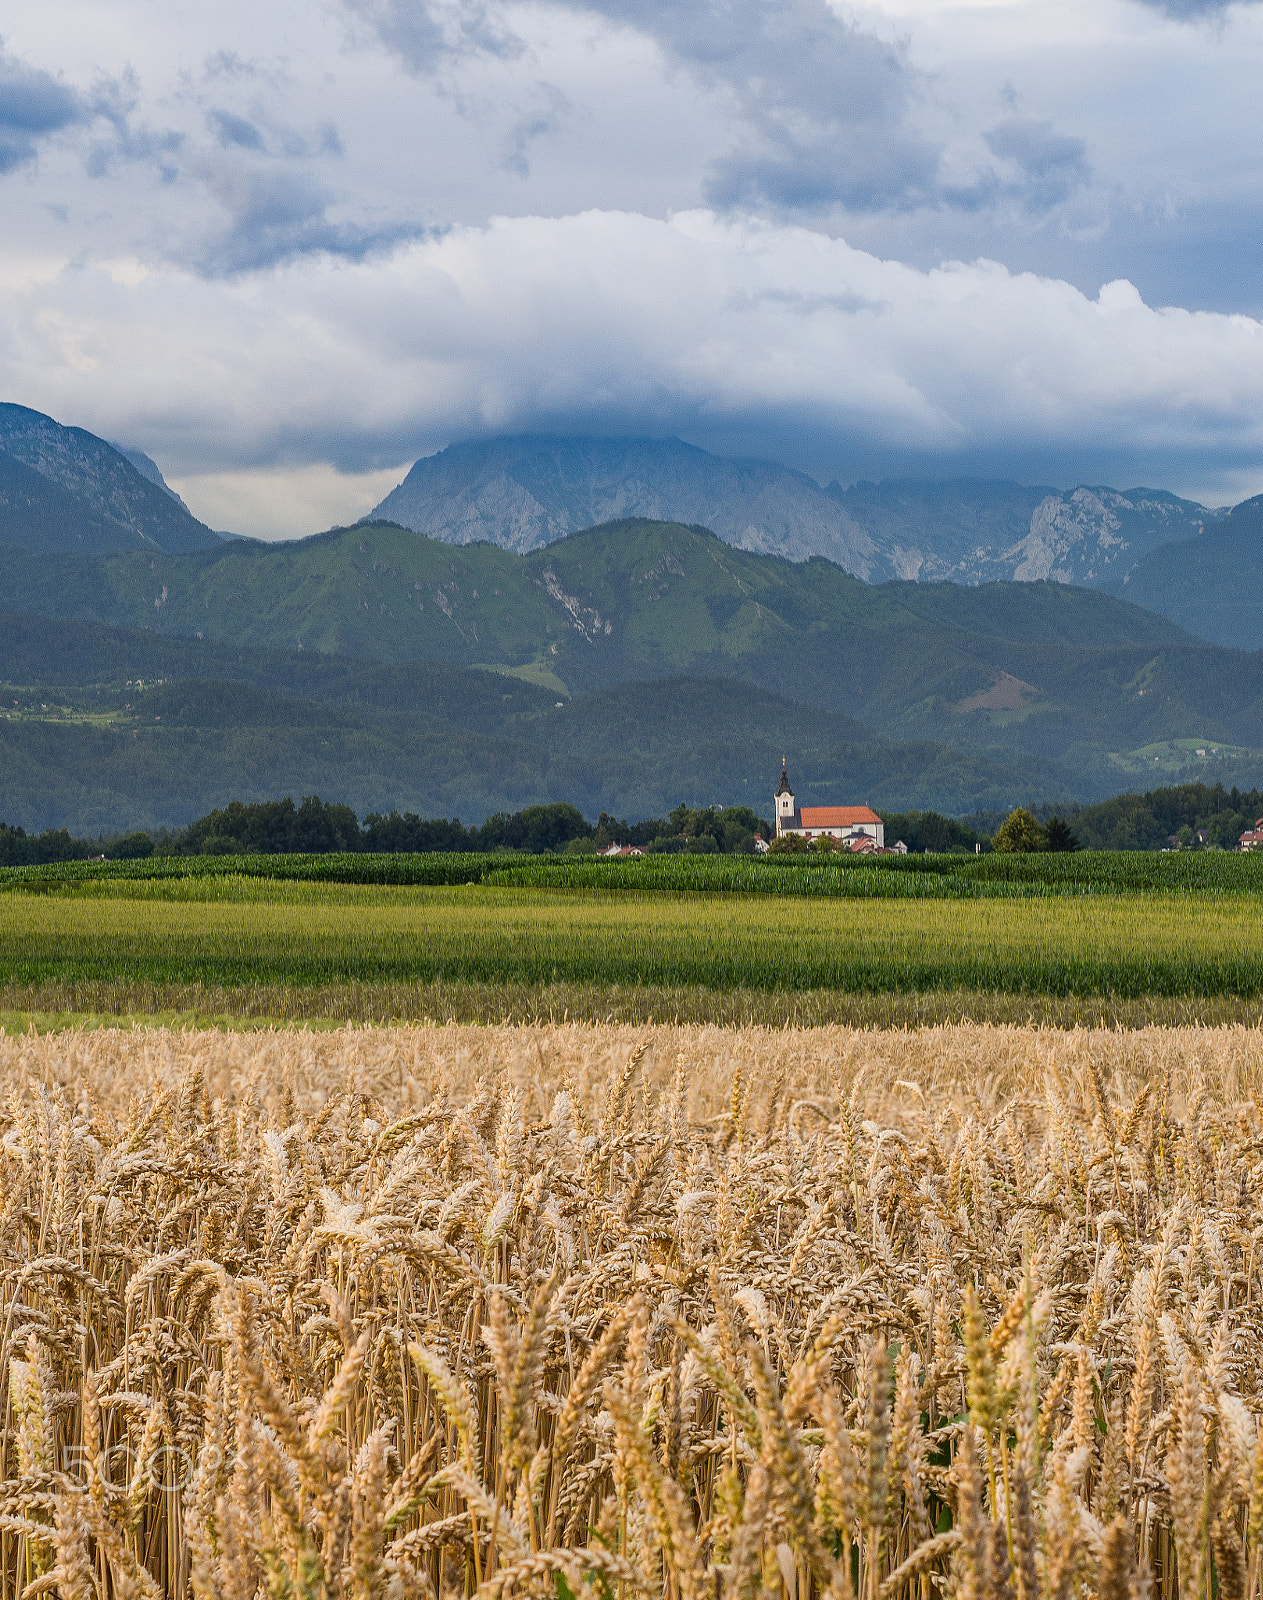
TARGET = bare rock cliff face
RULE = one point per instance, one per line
(524, 493)
(1096, 536)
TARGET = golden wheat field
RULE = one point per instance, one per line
(645, 1314)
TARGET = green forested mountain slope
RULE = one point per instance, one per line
(1038, 669)
(1212, 584)
(378, 592)
(107, 753)
(98, 663)
(598, 607)
(65, 490)
(1037, 614)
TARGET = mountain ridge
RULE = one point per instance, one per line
(1212, 584)
(148, 468)
(64, 489)
(525, 491)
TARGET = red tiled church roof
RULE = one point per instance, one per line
(837, 816)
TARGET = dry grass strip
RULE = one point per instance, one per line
(283, 1004)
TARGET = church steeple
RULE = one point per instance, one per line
(783, 803)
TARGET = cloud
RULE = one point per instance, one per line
(424, 33)
(264, 136)
(823, 104)
(230, 129)
(245, 199)
(33, 105)
(787, 171)
(546, 118)
(619, 322)
(827, 115)
(1051, 166)
(821, 113)
(1193, 10)
(276, 215)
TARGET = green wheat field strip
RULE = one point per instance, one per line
(226, 932)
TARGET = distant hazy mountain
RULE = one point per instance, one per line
(975, 531)
(526, 492)
(1213, 584)
(65, 490)
(521, 493)
(148, 468)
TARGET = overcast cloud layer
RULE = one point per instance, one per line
(285, 250)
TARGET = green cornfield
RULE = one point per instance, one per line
(829, 876)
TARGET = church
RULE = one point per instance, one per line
(857, 827)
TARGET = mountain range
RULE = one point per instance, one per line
(521, 493)
(1030, 690)
(129, 729)
(625, 666)
(63, 489)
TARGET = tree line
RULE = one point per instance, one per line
(315, 826)
(1187, 816)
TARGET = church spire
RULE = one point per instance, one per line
(783, 804)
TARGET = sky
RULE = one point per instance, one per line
(287, 249)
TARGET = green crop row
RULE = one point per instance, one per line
(900, 877)
(1117, 871)
(404, 869)
(881, 877)
(783, 875)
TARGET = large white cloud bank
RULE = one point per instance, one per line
(621, 321)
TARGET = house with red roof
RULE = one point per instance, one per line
(1253, 838)
(857, 826)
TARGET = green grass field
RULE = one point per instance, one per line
(230, 944)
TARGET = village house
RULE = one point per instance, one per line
(857, 827)
(1253, 839)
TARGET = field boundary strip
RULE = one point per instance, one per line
(60, 1007)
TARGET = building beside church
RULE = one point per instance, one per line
(857, 827)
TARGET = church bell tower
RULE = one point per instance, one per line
(784, 802)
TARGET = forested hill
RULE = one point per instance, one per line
(613, 603)
(1036, 671)
(125, 730)
(1212, 584)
